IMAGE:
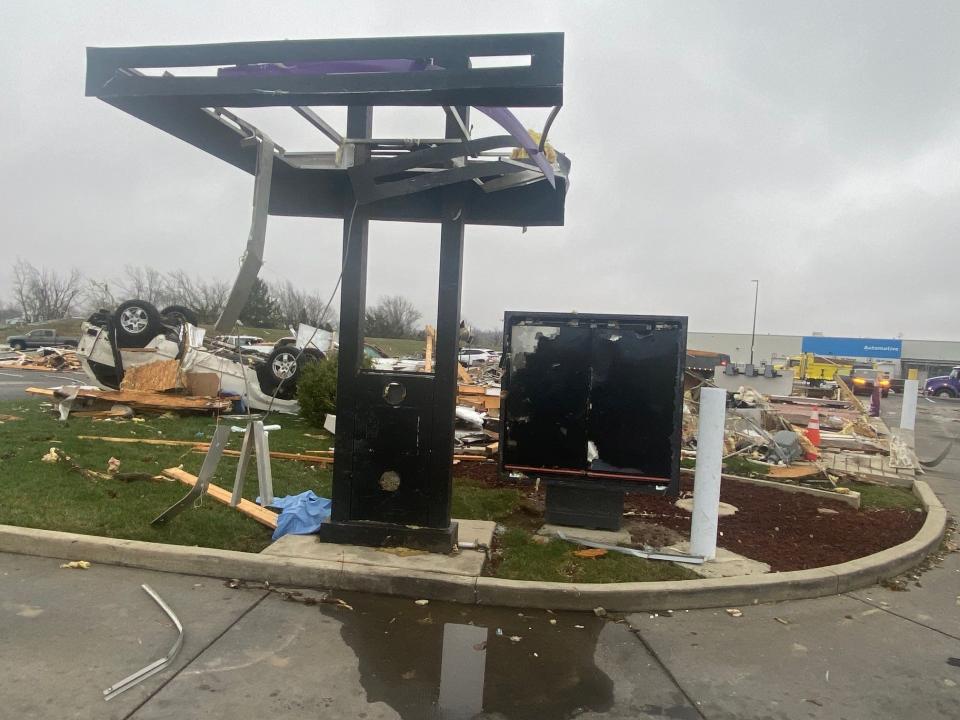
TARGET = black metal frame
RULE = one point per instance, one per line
(605, 480)
(195, 109)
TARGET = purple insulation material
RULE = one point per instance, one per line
(509, 122)
(329, 67)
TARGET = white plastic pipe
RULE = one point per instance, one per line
(908, 412)
(706, 481)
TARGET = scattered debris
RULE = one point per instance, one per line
(589, 552)
(113, 465)
(782, 621)
(734, 612)
(552, 621)
(77, 565)
(600, 612)
(515, 638)
(421, 602)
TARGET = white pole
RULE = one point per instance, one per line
(908, 412)
(706, 481)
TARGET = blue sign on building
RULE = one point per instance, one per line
(852, 347)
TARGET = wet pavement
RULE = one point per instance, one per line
(249, 653)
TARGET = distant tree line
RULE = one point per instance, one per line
(44, 294)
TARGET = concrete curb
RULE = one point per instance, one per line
(622, 597)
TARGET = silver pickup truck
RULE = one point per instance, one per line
(38, 339)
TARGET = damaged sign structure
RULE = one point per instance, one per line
(593, 405)
(395, 431)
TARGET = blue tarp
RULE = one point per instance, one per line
(300, 514)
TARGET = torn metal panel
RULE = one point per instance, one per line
(376, 180)
(253, 255)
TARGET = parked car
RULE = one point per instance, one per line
(38, 339)
(477, 356)
(863, 380)
(944, 385)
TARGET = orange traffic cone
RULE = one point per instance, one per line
(813, 432)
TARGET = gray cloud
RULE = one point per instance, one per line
(812, 145)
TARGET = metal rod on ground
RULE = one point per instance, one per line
(908, 413)
(706, 483)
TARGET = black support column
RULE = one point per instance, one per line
(353, 300)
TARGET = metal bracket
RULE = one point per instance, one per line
(157, 665)
(217, 445)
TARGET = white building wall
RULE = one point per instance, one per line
(737, 346)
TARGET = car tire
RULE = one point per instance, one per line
(944, 392)
(180, 314)
(281, 370)
(18, 346)
(136, 323)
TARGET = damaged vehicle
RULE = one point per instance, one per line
(136, 333)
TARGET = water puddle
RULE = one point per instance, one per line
(451, 662)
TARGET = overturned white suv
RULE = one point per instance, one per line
(136, 333)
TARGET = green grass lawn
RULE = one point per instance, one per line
(882, 497)
(53, 497)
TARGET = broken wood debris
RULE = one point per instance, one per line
(157, 376)
(139, 399)
(221, 495)
(46, 359)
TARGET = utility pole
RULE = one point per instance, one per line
(753, 333)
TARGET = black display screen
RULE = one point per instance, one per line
(593, 396)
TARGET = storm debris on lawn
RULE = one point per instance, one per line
(140, 400)
(45, 359)
(76, 565)
(57, 455)
(590, 553)
(298, 596)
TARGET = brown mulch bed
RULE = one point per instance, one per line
(784, 530)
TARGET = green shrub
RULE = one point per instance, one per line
(317, 390)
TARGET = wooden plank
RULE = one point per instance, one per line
(313, 459)
(463, 375)
(158, 376)
(250, 509)
(470, 389)
(431, 334)
(143, 441)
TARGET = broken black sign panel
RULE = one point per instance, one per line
(594, 397)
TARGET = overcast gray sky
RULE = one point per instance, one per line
(815, 146)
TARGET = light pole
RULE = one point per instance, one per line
(753, 333)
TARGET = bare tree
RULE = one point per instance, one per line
(97, 295)
(393, 317)
(206, 297)
(300, 306)
(145, 283)
(45, 294)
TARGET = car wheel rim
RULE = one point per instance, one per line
(134, 320)
(284, 366)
